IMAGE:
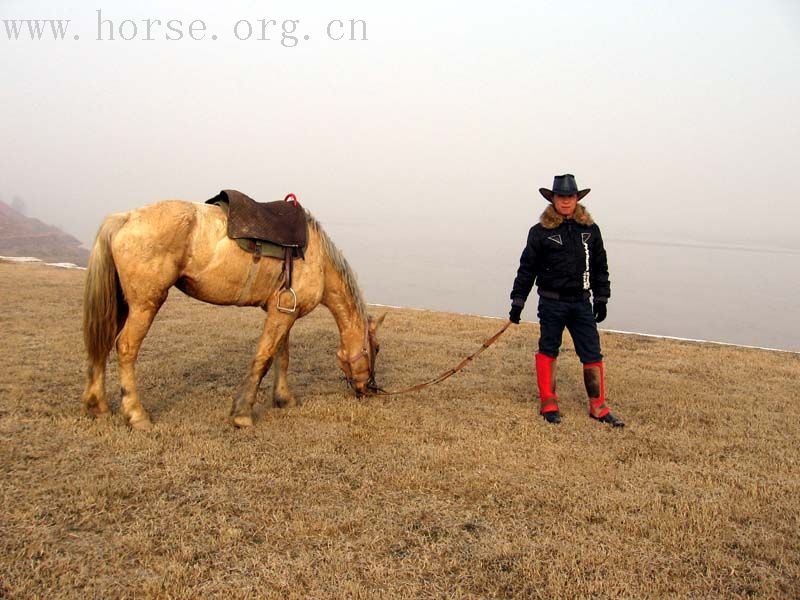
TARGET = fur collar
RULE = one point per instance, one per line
(550, 219)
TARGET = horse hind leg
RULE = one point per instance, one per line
(94, 397)
(128, 344)
(282, 396)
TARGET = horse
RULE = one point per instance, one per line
(139, 255)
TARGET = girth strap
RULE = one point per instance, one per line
(252, 275)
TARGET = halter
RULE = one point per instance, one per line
(363, 353)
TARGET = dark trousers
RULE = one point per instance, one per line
(578, 318)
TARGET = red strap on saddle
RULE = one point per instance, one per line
(293, 198)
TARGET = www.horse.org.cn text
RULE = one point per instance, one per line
(289, 33)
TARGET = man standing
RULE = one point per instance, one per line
(565, 256)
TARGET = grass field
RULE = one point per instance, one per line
(459, 491)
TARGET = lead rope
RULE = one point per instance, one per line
(378, 391)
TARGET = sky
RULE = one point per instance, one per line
(439, 127)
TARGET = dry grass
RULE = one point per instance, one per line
(460, 491)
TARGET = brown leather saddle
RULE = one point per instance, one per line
(272, 229)
(280, 223)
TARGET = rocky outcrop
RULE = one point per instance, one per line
(26, 236)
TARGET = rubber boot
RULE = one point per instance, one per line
(595, 381)
(546, 380)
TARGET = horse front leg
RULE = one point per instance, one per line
(282, 396)
(276, 327)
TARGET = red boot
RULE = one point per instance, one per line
(546, 380)
(595, 381)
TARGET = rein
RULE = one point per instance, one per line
(379, 391)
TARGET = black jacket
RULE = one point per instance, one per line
(564, 257)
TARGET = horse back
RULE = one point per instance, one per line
(185, 244)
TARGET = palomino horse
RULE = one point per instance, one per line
(137, 256)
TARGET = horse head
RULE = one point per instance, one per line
(359, 367)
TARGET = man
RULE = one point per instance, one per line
(566, 258)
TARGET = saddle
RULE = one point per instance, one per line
(272, 229)
(260, 227)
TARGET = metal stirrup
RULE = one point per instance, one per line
(286, 309)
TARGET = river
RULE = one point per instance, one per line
(738, 295)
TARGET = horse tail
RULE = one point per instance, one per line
(104, 306)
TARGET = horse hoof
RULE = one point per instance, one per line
(95, 407)
(283, 402)
(142, 424)
(98, 412)
(243, 421)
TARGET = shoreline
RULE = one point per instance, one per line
(620, 331)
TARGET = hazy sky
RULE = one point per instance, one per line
(682, 116)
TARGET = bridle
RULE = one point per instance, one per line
(364, 353)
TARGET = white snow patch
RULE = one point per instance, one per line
(20, 259)
(31, 259)
(65, 266)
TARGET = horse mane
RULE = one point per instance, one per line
(340, 264)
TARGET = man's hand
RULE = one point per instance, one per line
(515, 314)
(599, 311)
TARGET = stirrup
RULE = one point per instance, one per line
(287, 309)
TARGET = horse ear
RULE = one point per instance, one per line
(378, 322)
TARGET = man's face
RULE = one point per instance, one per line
(565, 205)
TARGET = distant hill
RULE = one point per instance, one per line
(26, 236)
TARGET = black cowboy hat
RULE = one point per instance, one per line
(563, 185)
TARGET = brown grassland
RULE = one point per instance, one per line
(459, 491)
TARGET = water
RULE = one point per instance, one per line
(737, 295)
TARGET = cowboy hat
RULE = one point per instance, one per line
(563, 185)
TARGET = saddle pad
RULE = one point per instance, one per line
(280, 222)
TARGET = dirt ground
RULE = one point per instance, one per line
(459, 491)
